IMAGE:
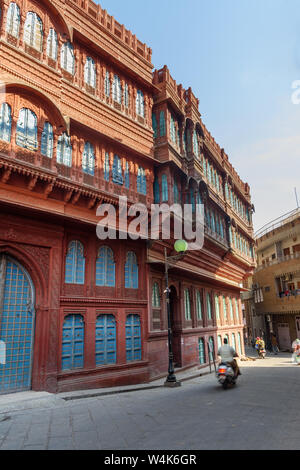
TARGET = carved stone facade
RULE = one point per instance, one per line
(79, 109)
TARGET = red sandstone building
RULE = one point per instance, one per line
(84, 120)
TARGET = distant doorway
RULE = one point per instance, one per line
(174, 313)
(284, 337)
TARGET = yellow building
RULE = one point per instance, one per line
(276, 281)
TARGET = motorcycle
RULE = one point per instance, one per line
(226, 375)
(262, 353)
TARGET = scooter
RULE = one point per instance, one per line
(225, 375)
(262, 353)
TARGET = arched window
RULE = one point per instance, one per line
(231, 310)
(140, 106)
(127, 176)
(90, 72)
(73, 343)
(106, 340)
(224, 308)
(75, 264)
(105, 268)
(239, 344)
(156, 190)
(209, 306)
(107, 85)
(5, 122)
(202, 358)
(26, 135)
(155, 296)
(217, 307)
(162, 124)
(52, 44)
(141, 181)
(64, 150)
(133, 338)
(187, 304)
(211, 345)
(131, 271)
(192, 200)
(88, 159)
(13, 20)
(237, 310)
(33, 31)
(126, 96)
(176, 192)
(117, 172)
(233, 343)
(117, 89)
(106, 167)
(219, 341)
(47, 140)
(173, 130)
(198, 305)
(164, 187)
(67, 58)
(195, 144)
(154, 125)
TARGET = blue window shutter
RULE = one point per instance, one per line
(88, 159)
(133, 338)
(202, 358)
(164, 186)
(154, 125)
(75, 264)
(73, 343)
(13, 19)
(131, 271)
(64, 150)
(156, 191)
(106, 340)
(141, 181)
(176, 192)
(47, 140)
(90, 72)
(52, 44)
(105, 268)
(26, 135)
(117, 173)
(106, 167)
(127, 176)
(5, 122)
(162, 124)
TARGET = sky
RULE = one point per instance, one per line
(242, 59)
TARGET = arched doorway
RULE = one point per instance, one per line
(174, 313)
(17, 317)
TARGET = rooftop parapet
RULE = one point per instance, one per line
(108, 22)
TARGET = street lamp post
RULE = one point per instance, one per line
(180, 247)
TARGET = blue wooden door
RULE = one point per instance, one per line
(16, 326)
(73, 343)
(106, 340)
(133, 338)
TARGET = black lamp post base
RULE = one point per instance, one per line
(172, 384)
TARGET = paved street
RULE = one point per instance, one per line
(262, 412)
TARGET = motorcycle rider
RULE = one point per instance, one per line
(227, 354)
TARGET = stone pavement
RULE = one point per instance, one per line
(198, 415)
(30, 400)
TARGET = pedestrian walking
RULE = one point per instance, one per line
(274, 343)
